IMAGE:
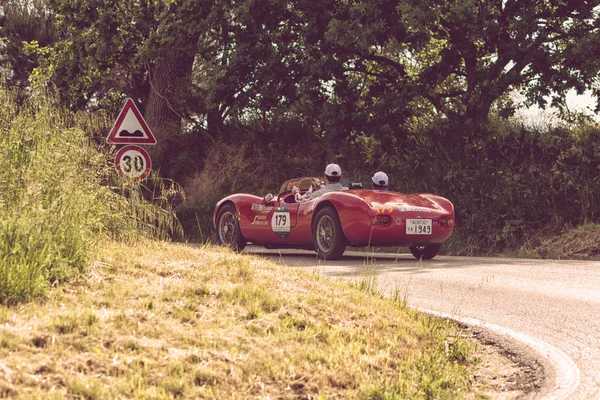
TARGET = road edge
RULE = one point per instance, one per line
(566, 374)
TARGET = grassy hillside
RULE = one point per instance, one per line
(158, 320)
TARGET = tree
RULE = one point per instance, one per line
(348, 70)
(23, 21)
(468, 53)
(111, 49)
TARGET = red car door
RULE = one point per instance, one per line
(271, 224)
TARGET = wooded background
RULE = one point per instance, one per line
(245, 94)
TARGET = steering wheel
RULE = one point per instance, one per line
(303, 184)
(306, 183)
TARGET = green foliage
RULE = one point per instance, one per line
(23, 21)
(470, 53)
(54, 202)
(509, 184)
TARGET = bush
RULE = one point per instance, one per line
(257, 164)
(511, 185)
(58, 196)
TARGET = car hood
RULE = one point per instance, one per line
(400, 201)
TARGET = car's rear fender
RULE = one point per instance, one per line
(354, 214)
(443, 202)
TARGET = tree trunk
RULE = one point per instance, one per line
(478, 111)
(169, 78)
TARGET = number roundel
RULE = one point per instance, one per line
(280, 222)
(133, 162)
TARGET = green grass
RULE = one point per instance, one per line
(158, 320)
(60, 195)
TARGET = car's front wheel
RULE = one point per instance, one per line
(228, 228)
(328, 237)
(425, 252)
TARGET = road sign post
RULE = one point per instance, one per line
(133, 162)
(130, 129)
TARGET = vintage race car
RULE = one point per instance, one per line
(354, 217)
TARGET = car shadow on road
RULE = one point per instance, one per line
(351, 264)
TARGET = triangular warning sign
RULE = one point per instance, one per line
(130, 127)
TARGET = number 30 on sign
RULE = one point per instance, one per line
(133, 162)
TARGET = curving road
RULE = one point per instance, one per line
(550, 302)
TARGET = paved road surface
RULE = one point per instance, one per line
(557, 302)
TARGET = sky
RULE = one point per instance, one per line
(585, 102)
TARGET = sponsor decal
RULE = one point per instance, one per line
(260, 220)
(261, 208)
(406, 207)
(280, 222)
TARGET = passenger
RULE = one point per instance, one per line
(333, 177)
(380, 181)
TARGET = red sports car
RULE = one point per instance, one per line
(354, 217)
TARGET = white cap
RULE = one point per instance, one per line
(380, 178)
(333, 170)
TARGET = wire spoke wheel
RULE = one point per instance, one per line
(325, 234)
(228, 228)
(328, 237)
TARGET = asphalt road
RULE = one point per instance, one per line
(555, 304)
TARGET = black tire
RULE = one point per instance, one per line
(328, 237)
(425, 252)
(228, 228)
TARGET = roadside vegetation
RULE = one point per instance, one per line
(94, 305)
(160, 320)
(59, 195)
(578, 243)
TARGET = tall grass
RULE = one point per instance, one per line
(59, 195)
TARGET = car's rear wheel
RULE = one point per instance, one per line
(328, 237)
(425, 252)
(228, 228)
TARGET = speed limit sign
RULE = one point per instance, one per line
(133, 162)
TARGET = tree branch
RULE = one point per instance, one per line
(386, 61)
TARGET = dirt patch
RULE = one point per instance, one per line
(505, 369)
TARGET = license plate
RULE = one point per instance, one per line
(418, 227)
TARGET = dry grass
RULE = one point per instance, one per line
(580, 243)
(169, 321)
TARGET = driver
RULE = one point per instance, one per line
(333, 177)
